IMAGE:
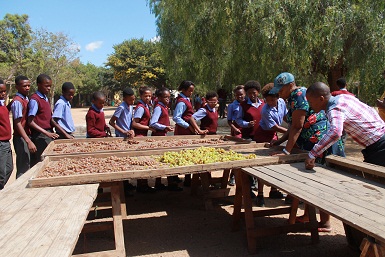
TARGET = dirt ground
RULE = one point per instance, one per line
(177, 224)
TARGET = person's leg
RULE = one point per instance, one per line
(6, 163)
(375, 153)
(23, 156)
(260, 201)
(324, 225)
(41, 142)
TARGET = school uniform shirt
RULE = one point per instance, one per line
(160, 120)
(182, 114)
(249, 111)
(208, 117)
(62, 112)
(19, 108)
(123, 116)
(272, 116)
(96, 123)
(360, 121)
(5, 124)
(341, 91)
(142, 112)
(232, 110)
(40, 107)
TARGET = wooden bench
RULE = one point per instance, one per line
(42, 221)
(356, 201)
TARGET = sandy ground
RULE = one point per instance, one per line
(177, 224)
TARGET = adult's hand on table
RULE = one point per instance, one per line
(309, 163)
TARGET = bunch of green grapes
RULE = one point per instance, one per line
(202, 155)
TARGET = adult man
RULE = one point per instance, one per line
(346, 112)
(341, 83)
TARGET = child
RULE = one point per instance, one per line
(273, 113)
(141, 127)
(40, 118)
(96, 124)
(22, 142)
(160, 121)
(122, 118)
(6, 161)
(232, 112)
(233, 109)
(207, 115)
(62, 111)
(182, 114)
(249, 114)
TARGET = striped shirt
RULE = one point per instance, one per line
(360, 121)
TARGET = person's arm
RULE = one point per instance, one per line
(180, 108)
(33, 107)
(137, 116)
(17, 114)
(280, 129)
(58, 115)
(295, 128)
(155, 118)
(241, 122)
(60, 129)
(200, 114)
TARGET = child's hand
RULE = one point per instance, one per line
(169, 128)
(251, 123)
(151, 129)
(68, 136)
(202, 132)
(52, 135)
(237, 131)
(130, 134)
(31, 146)
(108, 132)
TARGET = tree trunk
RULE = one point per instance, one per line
(335, 73)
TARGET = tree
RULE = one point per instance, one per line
(228, 42)
(136, 62)
(15, 51)
(52, 53)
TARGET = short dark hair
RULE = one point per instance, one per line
(265, 91)
(143, 89)
(128, 91)
(341, 82)
(160, 91)
(1, 81)
(252, 84)
(42, 77)
(185, 85)
(20, 78)
(211, 95)
(239, 87)
(98, 95)
(67, 86)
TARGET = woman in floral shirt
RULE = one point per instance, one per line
(306, 128)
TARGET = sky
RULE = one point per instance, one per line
(94, 26)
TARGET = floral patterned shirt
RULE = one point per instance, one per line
(315, 125)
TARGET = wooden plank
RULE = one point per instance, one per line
(59, 234)
(159, 172)
(356, 165)
(117, 217)
(326, 200)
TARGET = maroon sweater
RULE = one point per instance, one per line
(341, 92)
(5, 124)
(145, 120)
(44, 113)
(185, 116)
(251, 113)
(164, 119)
(23, 121)
(210, 121)
(96, 124)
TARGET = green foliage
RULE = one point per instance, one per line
(225, 43)
(136, 62)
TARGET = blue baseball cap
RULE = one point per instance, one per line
(281, 80)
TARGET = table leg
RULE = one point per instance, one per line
(117, 218)
(205, 180)
(249, 217)
(237, 199)
(122, 200)
(194, 184)
(313, 224)
(294, 209)
(225, 178)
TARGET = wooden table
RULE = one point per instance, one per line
(356, 201)
(42, 221)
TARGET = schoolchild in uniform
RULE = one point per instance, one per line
(22, 142)
(232, 112)
(160, 121)
(249, 114)
(62, 111)
(141, 127)
(96, 123)
(6, 161)
(122, 119)
(182, 114)
(40, 119)
(233, 109)
(207, 115)
(272, 115)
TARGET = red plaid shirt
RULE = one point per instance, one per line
(360, 121)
